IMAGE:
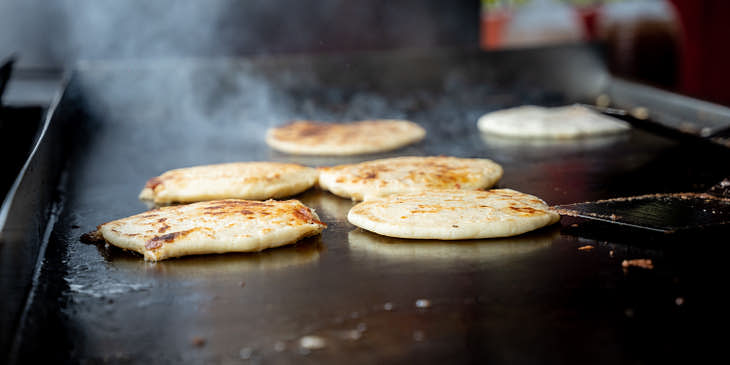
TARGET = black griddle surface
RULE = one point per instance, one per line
(535, 298)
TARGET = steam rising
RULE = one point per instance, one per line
(142, 62)
(167, 70)
(140, 29)
(173, 60)
(150, 43)
(150, 80)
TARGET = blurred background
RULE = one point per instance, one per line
(678, 45)
(674, 44)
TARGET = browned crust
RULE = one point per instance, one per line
(304, 129)
(157, 241)
(312, 132)
(295, 210)
(153, 182)
(433, 171)
(524, 210)
(242, 172)
(305, 215)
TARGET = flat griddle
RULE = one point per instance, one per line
(542, 297)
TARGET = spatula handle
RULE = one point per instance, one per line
(640, 118)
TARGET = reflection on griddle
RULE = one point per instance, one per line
(332, 205)
(368, 243)
(315, 160)
(304, 252)
(587, 142)
(149, 204)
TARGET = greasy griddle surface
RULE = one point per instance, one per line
(531, 299)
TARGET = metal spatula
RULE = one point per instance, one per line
(717, 133)
(667, 213)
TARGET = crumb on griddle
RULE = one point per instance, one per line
(641, 263)
(198, 341)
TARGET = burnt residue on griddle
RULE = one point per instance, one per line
(198, 341)
(641, 263)
(93, 237)
(576, 213)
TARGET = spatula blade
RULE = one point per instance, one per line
(665, 213)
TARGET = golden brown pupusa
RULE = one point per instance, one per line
(453, 214)
(408, 174)
(217, 226)
(240, 180)
(306, 137)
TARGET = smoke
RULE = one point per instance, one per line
(183, 99)
(140, 29)
(171, 60)
(160, 71)
(177, 55)
(170, 68)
